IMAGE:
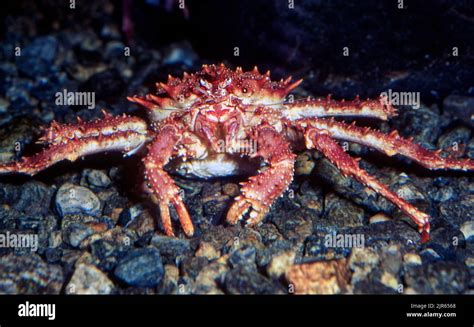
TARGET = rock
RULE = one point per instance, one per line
(231, 189)
(461, 107)
(412, 259)
(171, 248)
(73, 199)
(170, 280)
(304, 164)
(87, 279)
(343, 213)
(392, 259)
(143, 225)
(77, 228)
(4, 104)
(75, 233)
(37, 58)
(469, 262)
(208, 251)
(321, 277)
(243, 256)
(96, 178)
(141, 267)
(211, 276)
(379, 218)
(468, 229)
(389, 280)
(29, 274)
(280, 264)
(455, 141)
(127, 215)
(245, 280)
(362, 261)
(429, 254)
(191, 266)
(438, 278)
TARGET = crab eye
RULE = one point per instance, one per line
(244, 90)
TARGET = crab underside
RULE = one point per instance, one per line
(221, 122)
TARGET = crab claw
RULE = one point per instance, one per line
(242, 206)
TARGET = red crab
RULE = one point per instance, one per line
(215, 120)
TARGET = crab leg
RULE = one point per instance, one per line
(259, 192)
(320, 140)
(161, 186)
(70, 142)
(390, 144)
(327, 107)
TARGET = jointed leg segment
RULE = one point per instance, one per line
(320, 140)
(259, 192)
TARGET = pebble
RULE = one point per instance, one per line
(321, 277)
(171, 248)
(412, 259)
(88, 279)
(141, 267)
(280, 264)
(460, 106)
(96, 178)
(245, 280)
(468, 229)
(29, 274)
(362, 261)
(207, 250)
(379, 218)
(74, 199)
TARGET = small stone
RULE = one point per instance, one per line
(231, 189)
(468, 229)
(170, 280)
(379, 218)
(412, 259)
(243, 256)
(208, 251)
(461, 107)
(430, 254)
(389, 280)
(469, 262)
(171, 248)
(75, 233)
(362, 261)
(280, 264)
(129, 214)
(4, 103)
(304, 164)
(141, 267)
(96, 178)
(246, 280)
(37, 58)
(211, 276)
(73, 199)
(29, 274)
(87, 279)
(322, 277)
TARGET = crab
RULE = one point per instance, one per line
(222, 122)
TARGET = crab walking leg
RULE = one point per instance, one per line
(390, 144)
(327, 107)
(62, 133)
(259, 192)
(162, 187)
(74, 149)
(349, 166)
